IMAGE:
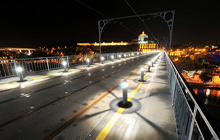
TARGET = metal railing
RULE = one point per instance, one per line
(192, 118)
(39, 64)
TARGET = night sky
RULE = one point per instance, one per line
(34, 23)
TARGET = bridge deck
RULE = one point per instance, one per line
(84, 105)
(150, 117)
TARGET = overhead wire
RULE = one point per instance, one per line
(140, 20)
(94, 10)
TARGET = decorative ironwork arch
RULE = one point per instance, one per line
(167, 16)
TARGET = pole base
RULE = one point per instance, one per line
(126, 105)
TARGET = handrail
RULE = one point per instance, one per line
(39, 64)
(199, 115)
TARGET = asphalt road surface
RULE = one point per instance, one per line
(44, 108)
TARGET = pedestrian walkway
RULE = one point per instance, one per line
(149, 117)
(14, 81)
(155, 118)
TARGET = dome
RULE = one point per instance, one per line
(142, 38)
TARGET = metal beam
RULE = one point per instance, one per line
(163, 15)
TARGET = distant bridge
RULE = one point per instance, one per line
(21, 50)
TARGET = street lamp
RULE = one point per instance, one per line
(119, 56)
(19, 70)
(142, 74)
(102, 59)
(124, 86)
(124, 55)
(148, 67)
(112, 57)
(88, 61)
(65, 66)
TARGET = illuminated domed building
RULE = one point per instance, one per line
(145, 44)
(142, 38)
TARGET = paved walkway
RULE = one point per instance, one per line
(12, 81)
(150, 117)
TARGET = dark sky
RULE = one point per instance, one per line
(34, 23)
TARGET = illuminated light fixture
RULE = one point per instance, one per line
(124, 84)
(112, 57)
(19, 73)
(64, 63)
(88, 60)
(19, 69)
(119, 56)
(102, 59)
(65, 66)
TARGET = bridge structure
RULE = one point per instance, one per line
(26, 51)
(84, 100)
(124, 95)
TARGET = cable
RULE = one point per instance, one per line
(105, 16)
(140, 19)
(91, 8)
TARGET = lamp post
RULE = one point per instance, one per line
(65, 66)
(88, 62)
(142, 75)
(102, 59)
(119, 56)
(124, 86)
(148, 67)
(112, 57)
(19, 70)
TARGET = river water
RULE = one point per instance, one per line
(211, 99)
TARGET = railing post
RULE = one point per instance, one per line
(68, 63)
(174, 92)
(82, 59)
(15, 66)
(192, 123)
(48, 68)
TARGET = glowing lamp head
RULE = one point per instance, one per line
(19, 69)
(142, 69)
(64, 63)
(87, 60)
(112, 57)
(102, 58)
(119, 56)
(124, 84)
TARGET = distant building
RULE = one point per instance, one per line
(145, 44)
(105, 44)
